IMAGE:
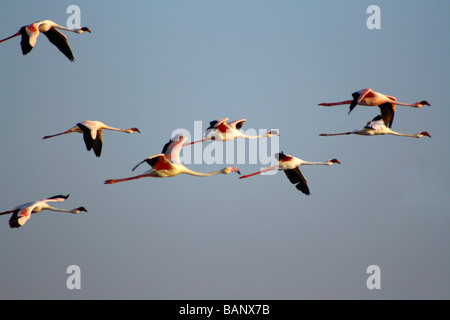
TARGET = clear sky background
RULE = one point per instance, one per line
(160, 66)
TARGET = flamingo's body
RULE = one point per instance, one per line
(93, 134)
(49, 28)
(378, 127)
(168, 164)
(290, 165)
(221, 130)
(22, 213)
(367, 97)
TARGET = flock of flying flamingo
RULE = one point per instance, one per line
(168, 163)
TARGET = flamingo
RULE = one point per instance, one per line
(290, 165)
(220, 130)
(367, 97)
(30, 33)
(22, 213)
(168, 164)
(378, 127)
(93, 134)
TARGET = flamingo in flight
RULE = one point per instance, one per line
(378, 127)
(221, 130)
(291, 167)
(367, 97)
(30, 33)
(22, 213)
(168, 164)
(93, 134)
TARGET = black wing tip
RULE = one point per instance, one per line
(14, 222)
(150, 162)
(378, 117)
(97, 146)
(240, 124)
(279, 155)
(166, 146)
(355, 96)
(69, 56)
(88, 145)
(24, 42)
(59, 196)
(60, 42)
(212, 124)
(303, 189)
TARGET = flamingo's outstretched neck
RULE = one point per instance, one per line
(74, 211)
(14, 35)
(418, 104)
(268, 134)
(130, 130)
(80, 30)
(417, 135)
(326, 163)
(226, 170)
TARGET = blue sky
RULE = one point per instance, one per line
(162, 65)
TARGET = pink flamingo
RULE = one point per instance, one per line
(367, 97)
(49, 28)
(290, 165)
(22, 213)
(378, 127)
(93, 134)
(168, 164)
(220, 130)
